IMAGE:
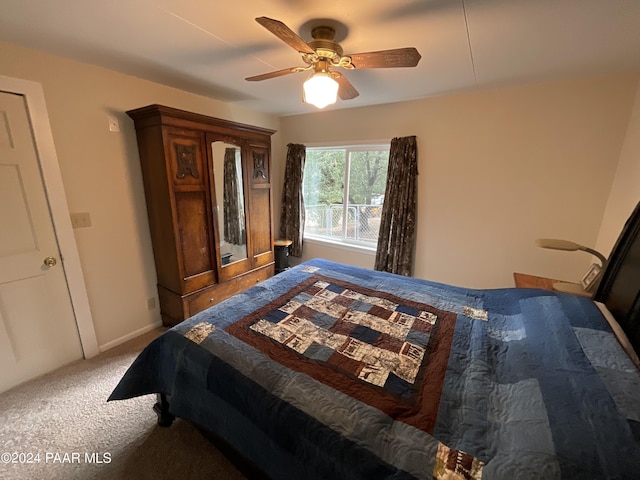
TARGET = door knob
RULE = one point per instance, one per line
(50, 261)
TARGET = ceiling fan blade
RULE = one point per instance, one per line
(277, 73)
(285, 34)
(346, 90)
(398, 57)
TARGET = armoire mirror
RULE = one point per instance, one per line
(227, 166)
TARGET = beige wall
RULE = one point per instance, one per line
(625, 192)
(101, 175)
(498, 169)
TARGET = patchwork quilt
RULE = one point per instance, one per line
(332, 371)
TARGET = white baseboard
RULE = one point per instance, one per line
(126, 338)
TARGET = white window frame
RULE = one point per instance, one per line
(349, 148)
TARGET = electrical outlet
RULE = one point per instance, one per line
(80, 220)
(151, 303)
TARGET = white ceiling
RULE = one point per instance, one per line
(209, 47)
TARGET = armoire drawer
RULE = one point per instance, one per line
(203, 299)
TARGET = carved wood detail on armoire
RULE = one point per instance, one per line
(208, 191)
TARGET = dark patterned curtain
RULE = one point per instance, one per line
(396, 238)
(231, 203)
(292, 213)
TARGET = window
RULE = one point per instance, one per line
(343, 190)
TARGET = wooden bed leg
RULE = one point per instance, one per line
(165, 419)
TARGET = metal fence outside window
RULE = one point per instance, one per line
(328, 221)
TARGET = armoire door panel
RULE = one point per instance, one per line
(261, 233)
(259, 172)
(193, 232)
(187, 161)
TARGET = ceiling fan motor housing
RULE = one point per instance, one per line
(324, 45)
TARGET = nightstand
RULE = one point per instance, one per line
(523, 280)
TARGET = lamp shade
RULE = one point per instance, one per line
(320, 90)
(555, 244)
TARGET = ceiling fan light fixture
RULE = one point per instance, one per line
(320, 89)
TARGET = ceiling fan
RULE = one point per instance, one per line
(323, 53)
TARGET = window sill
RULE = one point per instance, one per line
(343, 246)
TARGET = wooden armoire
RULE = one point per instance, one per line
(208, 190)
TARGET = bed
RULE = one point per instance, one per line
(332, 371)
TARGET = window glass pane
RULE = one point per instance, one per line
(343, 191)
(367, 182)
(323, 188)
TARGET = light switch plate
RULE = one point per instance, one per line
(114, 125)
(81, 220)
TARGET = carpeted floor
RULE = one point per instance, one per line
(62, 424)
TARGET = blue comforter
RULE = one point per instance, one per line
(332, 371)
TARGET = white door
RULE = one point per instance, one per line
(38, 330)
